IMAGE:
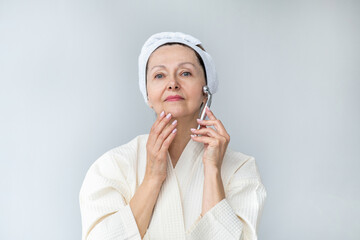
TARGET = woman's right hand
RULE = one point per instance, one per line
(161, 136)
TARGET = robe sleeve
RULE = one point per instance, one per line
(104, 201)
(237, 215)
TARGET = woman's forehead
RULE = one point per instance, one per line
(172, 54)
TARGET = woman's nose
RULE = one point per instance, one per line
(173, 87)
(173, 84)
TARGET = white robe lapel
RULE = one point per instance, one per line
(190, 175)
(167, 221)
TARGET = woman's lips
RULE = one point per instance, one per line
(174, 98)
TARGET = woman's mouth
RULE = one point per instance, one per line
(174, 98)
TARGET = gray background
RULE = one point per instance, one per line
(288, 95)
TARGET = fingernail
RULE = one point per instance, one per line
(168, 116)
(174, 131)
(192, 129)
(174, 122)
(193, 135)
(162, 113)
(199, 120)
(207, 108)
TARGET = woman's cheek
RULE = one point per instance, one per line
(156, 85)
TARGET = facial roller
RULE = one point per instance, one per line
(208, 103)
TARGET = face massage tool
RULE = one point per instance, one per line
(208, 103)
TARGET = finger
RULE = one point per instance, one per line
(152, 136)
(209, 113)
(207, 122)
(206, 131)
(161, 125)
(216, 123)
(203, 139)
(211, 116)
(164, 134)
(159, 118)
(165, 145)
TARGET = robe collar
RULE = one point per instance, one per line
(190, 153)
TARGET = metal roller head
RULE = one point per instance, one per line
(206, 90)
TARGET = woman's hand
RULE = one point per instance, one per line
(159, 140)
(143, 202)
(216, 141)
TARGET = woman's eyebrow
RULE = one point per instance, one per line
(187, 63)
(180, 64)
(160, 66)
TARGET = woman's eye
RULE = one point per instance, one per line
(158, 75)
(186, 74)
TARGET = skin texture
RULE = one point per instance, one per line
(175, 70)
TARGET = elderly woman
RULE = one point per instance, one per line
(177, 182)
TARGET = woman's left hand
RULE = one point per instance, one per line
(216, 141)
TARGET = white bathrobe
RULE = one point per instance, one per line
(113, 179)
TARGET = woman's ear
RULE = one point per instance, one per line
(149, 103)
(205, 98)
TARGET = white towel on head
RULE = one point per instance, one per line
(159, 39)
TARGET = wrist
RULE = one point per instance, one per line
(153, 183)
(210, 169)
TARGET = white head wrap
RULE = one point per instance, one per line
(159, 39)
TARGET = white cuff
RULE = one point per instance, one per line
(220, 222)
(121, 225)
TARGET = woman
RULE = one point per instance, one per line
(175, 182)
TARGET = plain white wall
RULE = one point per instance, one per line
(288, 95)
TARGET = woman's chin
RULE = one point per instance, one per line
(179, 113)
(175, 112)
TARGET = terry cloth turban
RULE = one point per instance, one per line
(162, 38)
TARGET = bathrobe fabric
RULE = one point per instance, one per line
(113, 179)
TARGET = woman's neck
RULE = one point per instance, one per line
(182, 136)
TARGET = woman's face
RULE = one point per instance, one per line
(175, 70)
